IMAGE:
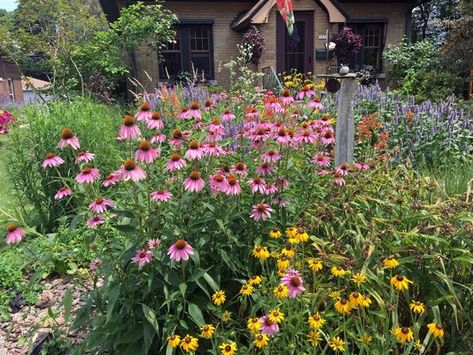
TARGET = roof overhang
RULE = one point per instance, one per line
(259, 13)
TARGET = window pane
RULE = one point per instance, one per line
(295, 48)
(170, 65)
(199, 37)
(371, 57)
(201, 63)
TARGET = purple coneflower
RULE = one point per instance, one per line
(112, 178)
(155, 121)
(62, 192)
(315, 104)
(154, 243)
(265, 169)
(286, 97)
(261, 211)
(100, 205)
(227, 115)
(180, 250)
(233, 186)
(146, 153)
(142, 257)
(270, 156)
(183, 114)
(145, 113)
(194, 111)
(240, 169)
(194, 151)
(282, 136)
(129, 129)
(257, 185)
(194, 183)
(68, 138)
(84, 157)
(321, 160)
(95, 221)
(342, 169)
(131, 171)
(52, 160)
(327, 137)
(268, 327)
(218, 183)
(175, 163)
(160, 196)
(14, 234)
(293, 281)
(338, 179)
(362, 166)
(158, 138)
(305, 92)
(88, 175)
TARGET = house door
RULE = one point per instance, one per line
(295, 51)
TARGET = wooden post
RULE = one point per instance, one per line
(345, 132)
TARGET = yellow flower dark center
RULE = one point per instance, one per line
(129, 165)
(400, 278)
(129, 121)
(356, 295)
(405, 330)
(180, 244)
(188, 340)
(343, 301)
(439, 327)
(67, 133)
(228, 348)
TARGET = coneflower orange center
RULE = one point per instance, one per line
(261, 208)
(227, 111)
(177, 133)
(215, 121)
(282, 132)
(240, 166)
(11, 227)
(50, 155)
(86, 169)
(194, 145)
(219, 178)
(145, 107)
(67, 133)
(99, 200)
(180, 244)
(145, 145)
(208, 103)
(257, 180)
(286, 93)
(232, 181)
(295, 281)
(155, 116)
(195, 175)
(129, 165)
(129, 121)
(175, 157)
(195, 106)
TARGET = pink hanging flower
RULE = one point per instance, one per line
(84, 157)
(362, 166)
(14, 234)
(154, 243)
(338, 179)
(100, 205)
(315, 104)
(68, 138)
(286, 97)
(323, 172)
(52, 160)
(142, 257)
(194, 111)
(160, 196)
(194, 183)
(146, 153)
(112, 178)
(268, 327)
(252, 113)
(233, 186)
(213, 149)
(183, 114)
(261, 211)
(265, 169)
(293, 280)
(270, 189)
(342, 169)
(257, 185)
(305, 92)
(321, 160)
(175, 163)
(306, 137)
(145, 113)
(129, 128)
(328, 137)
(155, 121)
(178, 137)
(240, 169)
(180, 250)
(215, 127)
(227, 115)
(194, 151)
(131, 171)
(218, 183)
(270, 156)
(88, 175)
(95, 221)
(282, 136)
(158, 138)
(62, 192)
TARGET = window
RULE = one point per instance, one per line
(193, 51)
(11, 89)
(373, 43)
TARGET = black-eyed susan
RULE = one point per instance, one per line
(355, 299)
(260, 252)
(261, 341)
(343, 306)
(228, 348)
(403, 334)
(335, 294)
(281, 291)
(255, 280)
(338, 271)
(418, 345)
(275, 233)
(390, 262)
(315, 265)
(291, 232)
(174, 341)
(400, 282)
(276, 315)
(417, 307)
(246, 290)
(283, 263)
(289, 251)
(189, 343)
(301, 236)
(227, 316)
(365, 339)
(207, 330)
(254, 325)
(435, 329)
(358, 278)
(365, 301)
(218, 298)
(316, 321)
(314, 337)
(337, 344)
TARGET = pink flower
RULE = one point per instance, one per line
(233, 186)
(95, 264)
(88, 175)
(306, 137)
(129, 129)
(155, 121)
(323, 172)
(160, 196)
(194, 183)
(158, 138)
(14, 234)
(327, 137)
(215, 127)
(213, 149)
(68, 138)
(145, 113)
(146, 153)
(257, 185)
(268, 327)
(178, 137)
(227, 115)
(180, 250)
(321, 160)
(112, 178)
(265, 169)
(240, 169)
(252, 113)
(175, 163)
(286, 97)
(270, 189)
(62, 192)
(154, 243)
(194, 111)
(86, 157)
(52, 160)
(338, 179)
(305, 92)
(142, 257)
(100, 205)
(361, 166)
(315, 104)
(342, 170)
(194, 151)
(218, 183)
(261, 211)
(95, 221)
(131, 171)
(183, 114)
(282, 137)
(270, 156)
(293, 280)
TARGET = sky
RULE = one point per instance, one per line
(8, 5)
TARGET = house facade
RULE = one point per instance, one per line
(10, 83)
(208, 33)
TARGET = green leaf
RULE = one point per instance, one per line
(211, 282)
(183, 289)
(150, 317)
(196, 314)
(67, 304)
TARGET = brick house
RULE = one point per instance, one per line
(208, 32)
(10, 83)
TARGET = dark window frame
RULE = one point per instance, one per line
(11, 88)
(183, 30)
